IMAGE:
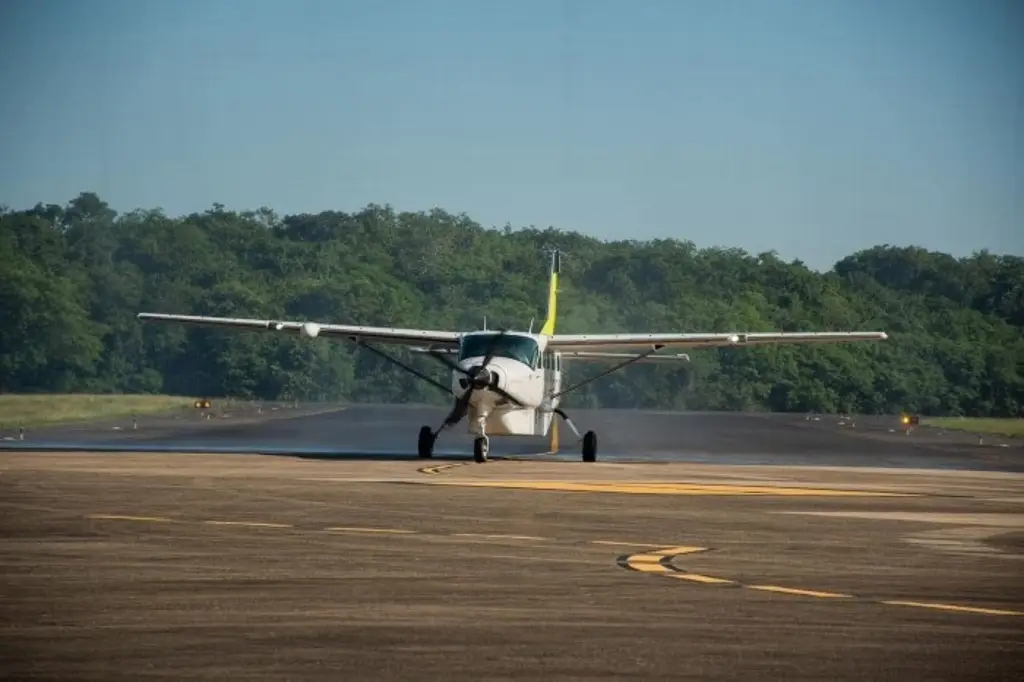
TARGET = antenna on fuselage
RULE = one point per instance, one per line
(485, 323)
(531, 325)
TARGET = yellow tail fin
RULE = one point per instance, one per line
(549, 324)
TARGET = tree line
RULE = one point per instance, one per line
(73, 277)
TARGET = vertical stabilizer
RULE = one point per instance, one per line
(556, 265)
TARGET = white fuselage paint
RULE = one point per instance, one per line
(532, 386)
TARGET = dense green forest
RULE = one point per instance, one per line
(73, 277)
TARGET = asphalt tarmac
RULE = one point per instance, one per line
(311, 543)
(390, 432)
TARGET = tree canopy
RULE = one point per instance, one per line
(72, 279)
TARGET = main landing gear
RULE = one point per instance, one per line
(588, 439)
(481, 445)
(426, 444)
(590, 447)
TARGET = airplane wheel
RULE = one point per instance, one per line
(590, 447)
(480, 448)
(426, 444)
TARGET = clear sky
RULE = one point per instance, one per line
(812, 127)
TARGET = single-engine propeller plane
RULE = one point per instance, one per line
(509, 383)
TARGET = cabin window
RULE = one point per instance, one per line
(523, 349)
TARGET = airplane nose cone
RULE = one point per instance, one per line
(480, 377)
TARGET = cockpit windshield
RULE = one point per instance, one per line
(521, 348)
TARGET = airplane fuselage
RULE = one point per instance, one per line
(522, 367)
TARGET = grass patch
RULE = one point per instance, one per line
(36, 410)
(1014, 428)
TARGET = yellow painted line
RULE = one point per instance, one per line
(651, 562)
(250, 524)
(116, 517)
(438, 468)
(648, 566)
(615, 543)
(698, 578)
(954, 607)
(497, 537)
(798, 591)
(676, 551)
(390, 531)
(642, 488)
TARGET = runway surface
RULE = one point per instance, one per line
(389, 432)
(859, 553)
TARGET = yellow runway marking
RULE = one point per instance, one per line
(676, 551)
(388, 531)
(250, 524)
(438, 468)
(116, 517)
(659, 562)
(497, 537)
(641, 488)
(954, 607)
(796, 591)
(651, 561)
(615, 543)
(648, 563)
(698, 578)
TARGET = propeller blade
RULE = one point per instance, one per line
(462, 403)
(493, 347)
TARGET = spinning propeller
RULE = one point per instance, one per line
(477, 377)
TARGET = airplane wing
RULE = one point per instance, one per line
(616, 342)
(311, 330)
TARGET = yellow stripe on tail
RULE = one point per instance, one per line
(549, 324)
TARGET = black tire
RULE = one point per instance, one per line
(426, 444)
(480, 448)
(590, 447)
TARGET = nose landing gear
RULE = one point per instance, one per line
(481, 446)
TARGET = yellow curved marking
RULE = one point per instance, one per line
(659, 562)
(438, 468)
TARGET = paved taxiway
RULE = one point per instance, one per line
(355, 560)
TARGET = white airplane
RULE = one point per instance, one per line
(509, 383)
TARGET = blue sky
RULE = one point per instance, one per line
(811, 127)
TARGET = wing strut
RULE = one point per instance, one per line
(635, 358)
(630, 361)
(406, 367)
